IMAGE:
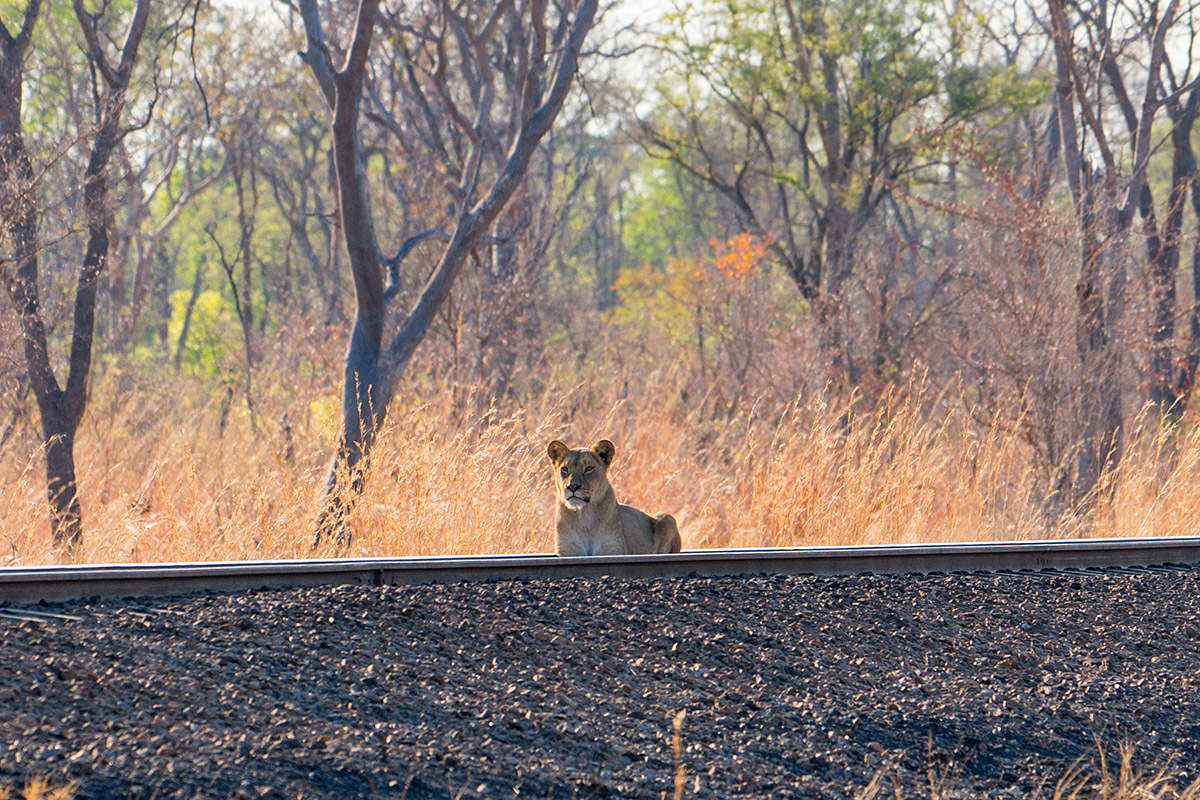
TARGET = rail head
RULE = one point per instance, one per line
(55, 583)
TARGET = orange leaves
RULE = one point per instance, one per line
(682, 278)
(737, 257)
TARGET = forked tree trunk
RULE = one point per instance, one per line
(1166, 385)
(1104, 225)
(372, 370)
(61, 409)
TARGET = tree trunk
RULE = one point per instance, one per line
(61, 409)
(1184, 165)
(1164, 267)
(1104, 225)
(186, 326)
(362, 410)
(1162, 248)
(1099, 440)
(66, 522)
(20, 219)
(371, 371)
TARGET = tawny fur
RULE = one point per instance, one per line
(590, 521)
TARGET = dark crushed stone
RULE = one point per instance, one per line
(796, 687)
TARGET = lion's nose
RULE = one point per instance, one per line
(574, 487)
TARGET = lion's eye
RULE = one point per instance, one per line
(588, 469)
(563, 472)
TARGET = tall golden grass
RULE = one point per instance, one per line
(161, 480)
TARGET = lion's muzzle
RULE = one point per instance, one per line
(575, 496)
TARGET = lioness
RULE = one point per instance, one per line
(590, 520)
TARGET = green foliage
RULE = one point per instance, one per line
(745, 54)
(877, 72)
(213, 331)
(974, 89)
(799, 113)
(658, 224)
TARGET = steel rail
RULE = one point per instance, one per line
(54, 583)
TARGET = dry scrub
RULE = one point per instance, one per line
(39, 789)
(1099, 780)
(163, 482)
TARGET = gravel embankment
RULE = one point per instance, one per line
(793, 687)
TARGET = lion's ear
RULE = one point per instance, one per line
(604, 451)
(557, 451)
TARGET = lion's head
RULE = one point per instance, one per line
(580, 476)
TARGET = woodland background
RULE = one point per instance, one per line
(824, 271)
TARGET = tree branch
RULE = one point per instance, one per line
(317, 56)
(1150, 104)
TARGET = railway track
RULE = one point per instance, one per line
(23, 585)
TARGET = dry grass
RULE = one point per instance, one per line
(1097, 779)
(1122, 781)
(160, 483)
(39, 789)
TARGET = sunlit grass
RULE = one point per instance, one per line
(1098, 778)
(163, 482)
(38, 788)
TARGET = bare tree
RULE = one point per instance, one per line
(1171, 375)
(1105, 203)
(61, 408)
(496, 320)
(548, 61)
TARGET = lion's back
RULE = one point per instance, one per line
(646, 534)
(666, 534)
